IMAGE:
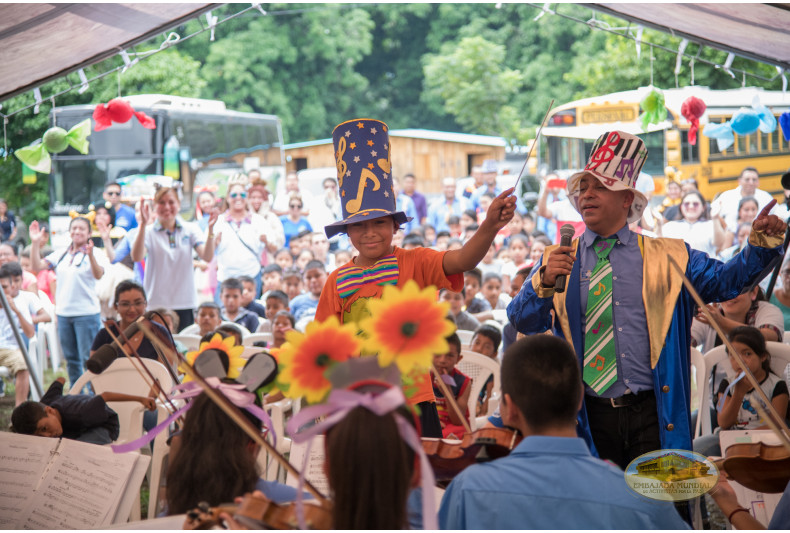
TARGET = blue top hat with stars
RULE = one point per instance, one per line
(364, 173)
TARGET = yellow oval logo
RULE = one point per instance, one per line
(671, 475)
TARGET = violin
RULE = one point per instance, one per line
(258, 512)
(449, 458)
(757, 466)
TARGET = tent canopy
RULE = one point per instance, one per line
(755, 31)
(43, 42)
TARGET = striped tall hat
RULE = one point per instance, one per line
(616, 159)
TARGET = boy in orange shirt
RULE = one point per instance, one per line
(362, 155)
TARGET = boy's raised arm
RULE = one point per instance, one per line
(498, 215)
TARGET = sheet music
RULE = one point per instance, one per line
(132, 491)
(23, 459)
(314, 471)
(81, 488)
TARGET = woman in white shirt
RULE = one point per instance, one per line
(695, 228)
(167, 247)
(77, 306)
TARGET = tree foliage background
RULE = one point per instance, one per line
(473, 68)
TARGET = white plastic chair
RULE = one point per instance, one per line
(192, 342)
(701, 394)
(121, 376)
(48, 333)
(252, 338)
(786, 337)
(465, 336)
(780, 358)
(194, 329)
(478, 367)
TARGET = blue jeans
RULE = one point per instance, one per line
(76, 335)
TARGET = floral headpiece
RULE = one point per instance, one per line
(90, 215)
(338, 363)
(219, 362)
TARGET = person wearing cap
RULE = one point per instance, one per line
(370, 218)
(634, 345)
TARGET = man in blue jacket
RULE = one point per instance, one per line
(626, 311)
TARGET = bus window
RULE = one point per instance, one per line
(654, 142)
(76, 184)
(689, 152)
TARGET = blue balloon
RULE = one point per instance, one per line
(721, 132)
(784, 121)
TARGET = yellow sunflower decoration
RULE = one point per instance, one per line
(306, 357)
(227, 346)
(407, 326)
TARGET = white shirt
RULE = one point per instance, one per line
(281, 201)
(698, 235)
(28, 305)
(729, 200)
(76, 289)
(234, 259)
(563, 211)
(169, 272)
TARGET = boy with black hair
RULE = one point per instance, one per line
(473, 280)
(413, 240)
(276, 301)
(232, 311)
(486, 341)
(463, 320)
(81, 417)
(248, 297)
(541, 396)
(305, 304)
(459, 384)
(272, 279)
(292, 283)
(10, 354)
(442, 238)
(209, 317)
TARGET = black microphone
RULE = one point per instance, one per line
(105, 355)
(566, 231)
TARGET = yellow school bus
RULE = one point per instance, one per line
(572, 128)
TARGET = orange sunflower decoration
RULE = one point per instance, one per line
(226, 346)
(306, 357)
(407, 326)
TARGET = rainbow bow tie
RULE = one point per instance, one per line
(351, 279)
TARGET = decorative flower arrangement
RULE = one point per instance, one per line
(224, 346)
(407, 327)
(306, 357)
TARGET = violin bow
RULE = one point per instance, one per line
(531, 148)
(774, 421)
(233, 412)
(448, 395)
(154, 383)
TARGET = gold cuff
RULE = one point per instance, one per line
(537, 284)
(759, 238)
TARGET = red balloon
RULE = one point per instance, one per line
(692, 109)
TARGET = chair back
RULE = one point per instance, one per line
(478, 367)
(701, 394)
(252, 338)
(465, 336)
(192, 342)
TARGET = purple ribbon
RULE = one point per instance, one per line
(340, 402)
(235, 392)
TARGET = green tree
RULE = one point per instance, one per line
(474, 85)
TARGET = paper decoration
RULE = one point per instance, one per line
(744, 122)
(55, 140)
(784, 121)
(120, 111)
(692, 109)
(654, 111)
